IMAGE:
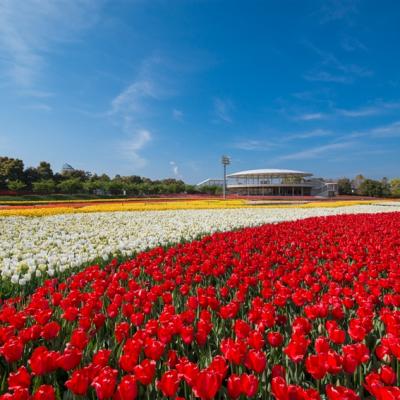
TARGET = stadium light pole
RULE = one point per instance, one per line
(225, 161)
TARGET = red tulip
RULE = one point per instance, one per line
(78, 383)
(121, 331)
(207, 384)
(44, 392)
(70, 359)
(242, 329)
(187, 334)
(19, 379)
(321, 344)
(297, 347)
(279, 388)
(79, 339)
(256, 340)
(275, 339)
(373, 383)
(70, 314)
(337, 336)
(340, 393)
(256, 361)
(249, 385)
(99, 320)
(51, 330)
(172, 358)
(12, 349)
(334, 362)
(127, 388)
(154, 349)
(43, 361)
(104, 383)
(387, 375)
(349, 363)
(17, 394)
(189, 371)
(101, 357)
(169, 383)
(145, 371)
(278, 370)
(316, 365)
(234, 386)
(356, 330)
(233, 351)
(218, 365)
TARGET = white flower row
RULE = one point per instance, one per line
(35, 246)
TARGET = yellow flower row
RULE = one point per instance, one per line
(170, 205)
(29, 202)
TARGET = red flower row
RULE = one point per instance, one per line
(298, 310)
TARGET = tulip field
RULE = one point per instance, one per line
(285, 304)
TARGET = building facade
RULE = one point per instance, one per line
(276, 182)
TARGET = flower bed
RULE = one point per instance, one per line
(33, 248)
(162, 205)
(300, 310)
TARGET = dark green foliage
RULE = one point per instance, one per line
(42, 180)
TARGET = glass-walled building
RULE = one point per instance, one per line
(278, 182)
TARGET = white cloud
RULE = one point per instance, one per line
(331, 69)
(307, 135)
(375, 108)
(223, 109)
(177, 115)
(175, 168)
(31, 29)
(361, 112)
(131, 108)
(391, 130)
(131, 148)
(152, 83)
(273, 143)
(334, 10)
(39, 94)
(378, 108)
(39, 107)
(130, 99)
(351, 43)
(250, 144)
(311, 116)
(316, 152)
(324, 76)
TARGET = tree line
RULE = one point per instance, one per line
(42, 179)
(369, 187)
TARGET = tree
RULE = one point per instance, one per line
(95, 185)
(30, 175)
(76, 173)
(115, 186)
(191, 189)
(71, 186)
(44, 186)
(16, 186)
(344, 186)
(357, 181)
(44, 170)
(395, 187)
(370, 187)
(385, 187)
(11, 169)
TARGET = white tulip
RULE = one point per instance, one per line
(46, 245)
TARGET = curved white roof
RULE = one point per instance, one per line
(268, 172)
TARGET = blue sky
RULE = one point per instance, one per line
(163, 88)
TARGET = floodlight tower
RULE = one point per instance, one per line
(225, 161)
